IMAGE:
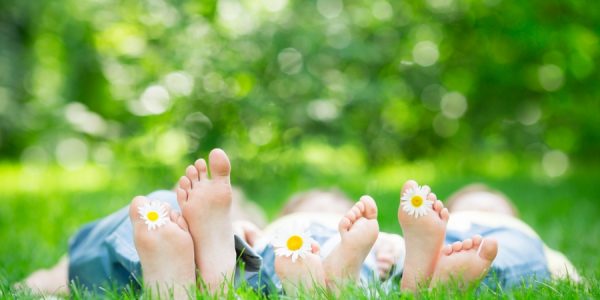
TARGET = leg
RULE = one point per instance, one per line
(206, 204)
(53, 281)
(465, 262)
(358, 231)
(424, 237)
(166, 253)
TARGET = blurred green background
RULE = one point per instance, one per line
(101, 100)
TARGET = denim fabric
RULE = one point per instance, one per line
(103, 253)
(327, 238)
(520, 260)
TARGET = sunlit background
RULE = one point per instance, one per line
(101, 100)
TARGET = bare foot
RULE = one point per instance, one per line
(465, 262)
(424, 237)
(166, 252)
(53, 281)
(247, 231)
(305, 274)
(358, 230)
(389, 249)
(206, 205)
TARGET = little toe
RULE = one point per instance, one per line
(200, 165)
(220, 167)
(178, 219)
(181, 196)
(192, 174)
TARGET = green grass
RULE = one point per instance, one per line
(36, 221)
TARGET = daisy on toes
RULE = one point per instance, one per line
(423, 220)
(297, 261)
(415, 202)
(290, 242)
(154, 214)
(165, 248)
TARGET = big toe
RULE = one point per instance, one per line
(134, 208)
(219, 164)
(370, 208)
(488, 249)
(409, 185)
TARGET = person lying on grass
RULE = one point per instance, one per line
(172, 241)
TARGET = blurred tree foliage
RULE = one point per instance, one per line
(340, 86)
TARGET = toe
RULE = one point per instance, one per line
(476, 240)
(444, 214)
(178, 219)
(202, 168)
(360, 206)
(467, 244)
(315, 248)
(350, 216)
(456, 246)
(356, 211)
(370, 208)
(409, 185)
(345, 224)
(185, 183)
(219, 164)
(192, 174)
(134, 214)
(447, 249)
(426, 189)
(181, 196)
(437, 205)
(488, 249)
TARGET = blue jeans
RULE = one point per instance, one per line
(103, 254)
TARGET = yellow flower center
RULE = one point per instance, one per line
(152, 216)
(416, 201)
(294, 242)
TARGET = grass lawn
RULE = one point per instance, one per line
(39, 211)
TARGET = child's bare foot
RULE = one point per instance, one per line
(389, 249)
(306, 273)
(206, 204)
(358, 231)
(424, 237)
(466, 261)
(166, 253)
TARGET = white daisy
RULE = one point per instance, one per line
(415, 202)
(294, 242)
(154, 214)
